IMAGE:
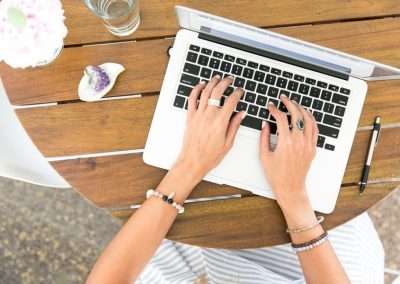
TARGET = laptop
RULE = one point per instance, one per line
(266, 65)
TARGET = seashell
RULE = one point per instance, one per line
(97, 81)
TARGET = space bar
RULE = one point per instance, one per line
(252, 122)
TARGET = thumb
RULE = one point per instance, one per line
(234, 127)
(264, 139)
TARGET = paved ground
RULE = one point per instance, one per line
(54, 236)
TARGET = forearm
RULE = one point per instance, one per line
(320, 265)
(130, 250)
(128, 253)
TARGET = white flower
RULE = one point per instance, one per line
(30, 31)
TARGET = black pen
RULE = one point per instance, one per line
(372, 144)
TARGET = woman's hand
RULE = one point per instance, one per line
(210, 130)
(286, 167)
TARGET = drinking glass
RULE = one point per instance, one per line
(121, 17)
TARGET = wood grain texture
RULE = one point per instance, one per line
(253, 222)
(123, 124)
(118, 181)
(158, 17)
(90, 127)
(145, 61)
(110, 182)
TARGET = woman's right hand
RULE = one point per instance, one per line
(286, 166)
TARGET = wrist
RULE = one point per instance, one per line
(298, 211)
(301, 219)
(181, 180)
(190, 169)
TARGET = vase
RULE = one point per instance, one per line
(51, 58)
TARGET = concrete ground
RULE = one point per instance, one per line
(54, 236)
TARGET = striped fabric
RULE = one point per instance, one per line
(356, 243)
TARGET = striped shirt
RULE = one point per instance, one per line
(356, 244)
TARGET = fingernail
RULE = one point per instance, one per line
(244, 115)
(230, 77)
(283, 96)
(217, 76)
(202, 82)
(271, 104)
(263, 124)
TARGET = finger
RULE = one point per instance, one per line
(292, 108)
(233, 128)
(206, 93)
(220, 88)
(194, 95)
(218, 91)
(300, 109)
(308, 123)
(281, 119)
(265, 149)
(231, 103)
(315, 129)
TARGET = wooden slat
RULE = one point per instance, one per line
(119, 181)
(386, 159)
(86, 128)
(158, 17)
(145, 61)
(123, 124)
(253, 222)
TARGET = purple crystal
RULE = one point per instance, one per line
(98, 78)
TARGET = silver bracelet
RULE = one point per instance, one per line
(167, 198)
(320, 219)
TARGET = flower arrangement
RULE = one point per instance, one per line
(31, 31)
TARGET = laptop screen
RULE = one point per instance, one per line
(272, 42)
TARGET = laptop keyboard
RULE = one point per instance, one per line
(263, 84)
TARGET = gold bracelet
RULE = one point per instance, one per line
(320, 219)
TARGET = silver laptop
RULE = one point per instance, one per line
(265, 64)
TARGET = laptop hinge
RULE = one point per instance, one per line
(274, 56)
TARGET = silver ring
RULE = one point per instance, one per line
(214, 102)
(300, 124)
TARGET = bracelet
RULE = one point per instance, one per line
(167, 198)
(320, 219)
(311, 244)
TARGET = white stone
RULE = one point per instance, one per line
(88, 94)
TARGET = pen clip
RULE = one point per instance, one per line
(377, 123)
(377, 138)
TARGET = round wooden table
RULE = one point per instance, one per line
(97, 146)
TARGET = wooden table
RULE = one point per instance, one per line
(74, 134)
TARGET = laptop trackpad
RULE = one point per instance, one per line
(241, 167)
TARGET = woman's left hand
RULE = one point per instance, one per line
(210, 130)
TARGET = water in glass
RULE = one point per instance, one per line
(121, 17)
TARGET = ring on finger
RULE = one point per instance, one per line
(214, 102)
(300, 124)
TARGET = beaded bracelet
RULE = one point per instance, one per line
(320, 219)
(167, 198)
(311, 244)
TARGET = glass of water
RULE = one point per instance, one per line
(121, 17)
